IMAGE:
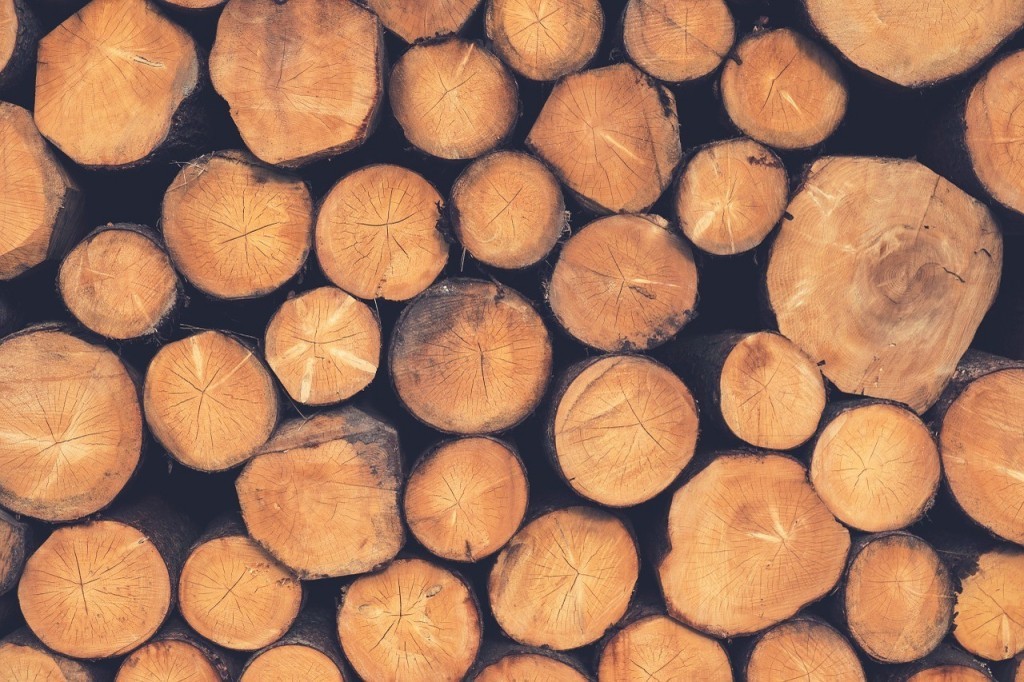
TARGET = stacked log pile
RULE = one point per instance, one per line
(568, 340)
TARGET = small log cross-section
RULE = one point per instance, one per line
(410, 606)
(624, 282)
(465, 498)
(377, 233)
(622, 429)
(19, 35)
(313, 86)
(469, 356)
(611, 135)
(112, 83)
(804, 648)
(323, 495)
(14, 539)
(40, 203)
(913, 264)
(235, 227)
(527, 663)
(657, 647)
(989, 616)
(678, 40)
(177, 654)
(453, 99)
(564, 579)
(309, 652)
(414, 21)
(23, 658)
(70, 425)
(545, 40)
(750, 544)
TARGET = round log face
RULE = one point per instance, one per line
(529, 667)
(543, 40)
(751, 544)
(678, 40)
(804, 650)
(992, 123)
(167, 660)
(109, 599)
(661, 645)
(22, 663)
(564, 579)
(110, 80)
(623, 430)
(292, 663)
(950, 673)
(8, 32)
(411, 605)
(914, 266)
(415, 21)
(983, 452)
(70, 426)
(989, 618)
(470, 357)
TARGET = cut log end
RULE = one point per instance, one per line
(623, 429)
(529, 666)
(508, 210)
(466, 498)
(413, 22)
(15, 537)
(292, 663)
(659, 645)
(377, 233)
(532, 598)
(168, 660)
(989, 618)
(470, 357)
(412, 605)
(678, 41)
(949, 673)
(803, 649)
(544, 42)
(194, 5)
(991, 126)
(624, 283)
(23, 658)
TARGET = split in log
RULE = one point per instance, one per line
(19, 36)
(115, 83)
(622, 429)
(760, 386)
(989, 618)
(23, 658)
(304, 78)
(235, 594)
(309, 652)
(176, 654)
(14, 540)
(875, 465)
(210, 401)
(564, 579)
(119, 282)
(730, 196)
(499, 662)
(886, 310)
(453, 99)
(377, 233)
(465, 498)
(675, 40)
(70, 425)
(415, 21)
(750, 544)
(323, 495)
(784, 90)
(323, 345)
(236, 228)
(542, 40)
(657, 647)
(611, 135)
(412, 605)
(897, 597)
(902, 44)
(625, 282)
(507, 210)
(469, 356)
(803, 648)
(40, 202)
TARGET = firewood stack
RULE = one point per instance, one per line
(567, 340)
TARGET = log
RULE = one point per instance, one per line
(945, 664)
(23, 657)
(466, 498)
(897, 597)
(912, 48)
(507, 210)
(394, 263)
(15, 543)
(323, 346)
(177, 653)
(233, 593)
(676, 41)
(730, 196)
(42, 205)
(612, 136)
(655, 645)
(470, 356)
(625, 282)
(314, 86)
(433, 614)
(564, 579)
(210, 401)
(19, 38)
(103, 587)
(801, 648)
(453, 99)
(784, 90)
(875, 465)
(545, 41)
(621, 429)
(749, 544)
(311, 646)
(322, 497)
(414, 22)
(194, 6)
(499, 662)
(117, 85)
(895, 308)
(759, 386)
(119, 282)
(235, 227)
(989, 613)
(70, 425)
